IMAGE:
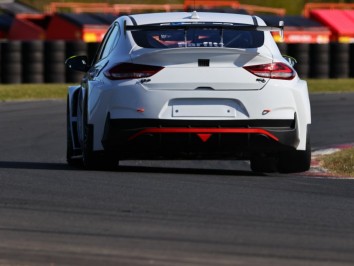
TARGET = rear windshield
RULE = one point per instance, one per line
(199, 38)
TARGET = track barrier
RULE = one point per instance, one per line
(43, 61)
(300, 51)
(11, 58)
(319, 60)
(54, 56)
(32, 62)
(75, 48)
(339, 60)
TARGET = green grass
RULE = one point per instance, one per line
(341, 163)
(331, 85)
(32, 91)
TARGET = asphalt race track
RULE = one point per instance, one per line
(167, 213)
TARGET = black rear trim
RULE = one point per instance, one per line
(144, 123)
(118, 133)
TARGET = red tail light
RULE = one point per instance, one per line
(131, 71)
(273, 71)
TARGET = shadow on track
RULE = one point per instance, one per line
(128, 169)
(34, 166)
(176, 170)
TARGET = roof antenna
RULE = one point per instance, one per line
(194, 15)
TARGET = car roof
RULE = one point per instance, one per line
(151, 18)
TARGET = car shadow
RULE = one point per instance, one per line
(33, 165)
(128, 169)
(177, 170)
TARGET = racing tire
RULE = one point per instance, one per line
(300, 51)
(351, 59)
(339, 60)
(54, 69)
(319, 60)
(263, 164)
(0, 62)
(93, 160)
(295, 161)
(11, 66)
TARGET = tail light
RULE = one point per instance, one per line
(131, 71)
(273, 71)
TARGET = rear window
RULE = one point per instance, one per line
(198, 38)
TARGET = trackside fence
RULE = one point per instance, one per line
(43, 61)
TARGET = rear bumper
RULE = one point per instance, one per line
(150, 138)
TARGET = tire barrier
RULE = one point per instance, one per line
(283, 48)
(351, 60)
(11, 66)
(92, 48)
(75, 48)
(0, 60)
(319, 61)
(54, 68)
(339, 60)
(300, 51)
(38, 62)
(32, 62)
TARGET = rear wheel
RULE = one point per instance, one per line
(95, 160)
(296, 161)
(286, 162)
(264, 164)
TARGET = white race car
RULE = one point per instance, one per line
(189, 85)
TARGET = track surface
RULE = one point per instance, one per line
(167, 213)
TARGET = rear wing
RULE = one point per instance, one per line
(204, 25)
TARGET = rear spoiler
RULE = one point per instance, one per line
(203, 25)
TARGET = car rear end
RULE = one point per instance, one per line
(200, 92)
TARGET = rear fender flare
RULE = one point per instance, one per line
(73, 94)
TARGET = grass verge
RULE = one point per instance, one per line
(330, 85)
(32, 91)
(341, 163)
